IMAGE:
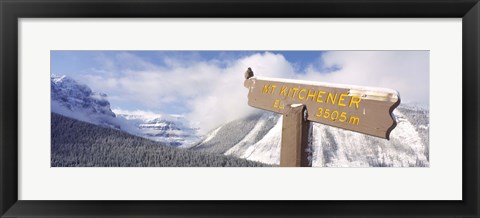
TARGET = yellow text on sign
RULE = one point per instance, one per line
(277, 104)
(318, 96)
(327, 113)
(334, 115)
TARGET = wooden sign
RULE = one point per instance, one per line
(295, 138)
(361, 109)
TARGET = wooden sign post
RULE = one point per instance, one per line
(295, 134)
(365, 110)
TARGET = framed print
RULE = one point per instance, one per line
(186, 113)
(224, 108)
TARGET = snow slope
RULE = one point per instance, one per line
(237, 133)
(334, 147)
(173, 130)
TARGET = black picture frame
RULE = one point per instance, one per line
(12, 10)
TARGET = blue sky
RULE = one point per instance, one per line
(77, 64)
(207, 86)
(73, 63)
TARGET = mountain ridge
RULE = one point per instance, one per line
(333, 147)
(73, 99)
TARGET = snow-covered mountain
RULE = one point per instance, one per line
(173, 130)
(258, 136)
(78, 101)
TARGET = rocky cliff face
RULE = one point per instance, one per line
(78, 101)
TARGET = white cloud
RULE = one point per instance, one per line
(226, 100)
(404, 71)
(214, 94)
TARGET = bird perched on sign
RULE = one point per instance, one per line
(248, 73)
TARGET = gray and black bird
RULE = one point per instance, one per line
(248, 73)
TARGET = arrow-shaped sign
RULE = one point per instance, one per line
(361, 109)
